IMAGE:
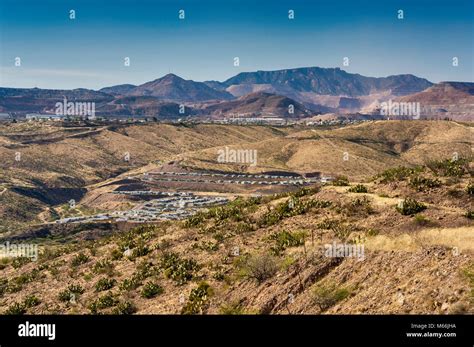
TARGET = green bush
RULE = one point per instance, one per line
(140, 250)
(150, 290)
(79, 259)
(292, 207)
(206, 246)
(410, 207)
(198, 299)
(326, 296)
(116, 254)
(306, 191)
(131, 283)
(124, 308)
(16, 283)
(285, 239)
(194, 220)
(31, 301)
(448, 167)
(177, 269)
(104, 267)
(103, 302)
(398, 174)
(469, 214)
(16, 309)
(420, 183)
(70, 292)
(360, 206)
(20, 261)
(105, 284)
(358, 188)
(340, 181)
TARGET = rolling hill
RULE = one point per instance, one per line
(257, 104)
(453, 100)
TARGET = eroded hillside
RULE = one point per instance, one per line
(411, 231)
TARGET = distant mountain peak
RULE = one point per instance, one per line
(329, 81)
(174, 88)
(170, 77)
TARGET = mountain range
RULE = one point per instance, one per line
(311, 91)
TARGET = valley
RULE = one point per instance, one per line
(120, 211)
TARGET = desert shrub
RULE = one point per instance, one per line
(31, 301)
(206, 246)
(398, 174)
(306, 191)
(230, 211)
(410, 206)
(357, 207)
(70, 292)
(140, 250)
(198, 299)
(328, 295)
(219, 275)
(340, 181)
(260, 267)
(124, 308)
(146, 269)
(16, 283)
(421, 183)
(448, 167)
(470, 188)
(285, 239)
(131, 283)
(469, 214)
(243, 227)
(358, 188)
(195, 220)
(105, 301)
(104, 267)
(79, 259)
(116, 254)
(292, 207)
(18, 262)
(16, 309)
(143, 271)
(105, 284)
(150, 290)
(177, 269)
(320, 203)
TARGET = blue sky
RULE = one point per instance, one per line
(89, 52)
